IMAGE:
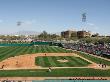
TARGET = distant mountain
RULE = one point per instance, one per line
(26, 33)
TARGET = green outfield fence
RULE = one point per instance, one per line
(15, 44)
(31, 44)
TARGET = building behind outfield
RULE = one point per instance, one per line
(79, 34)
(68, 34)
(82, 34)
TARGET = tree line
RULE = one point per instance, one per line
(44, 36)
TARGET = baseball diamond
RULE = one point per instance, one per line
(54, 40)
(35, 60)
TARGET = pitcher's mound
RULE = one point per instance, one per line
(62, 61)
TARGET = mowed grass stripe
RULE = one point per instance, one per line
(59, 49)
(39, 49)
(66, 72)
(28, 50)
(56, 62)
(16, 52)
(79, 61)
(7, 52)
(72, 61)
(21, 52)
(42, 49)
(40, 61)
(45, 49)
(51, 61)
(3, 49)
(34, 50)
(12, 53)
(55, 49)
(94, 59)
(46, 62)
(83, 61)
(49, 49)
(62, 50)
(43, 61)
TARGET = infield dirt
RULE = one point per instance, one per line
(28, 61)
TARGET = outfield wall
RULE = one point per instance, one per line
(15, 44)
(31, 44)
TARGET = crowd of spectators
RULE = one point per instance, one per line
(99, 49)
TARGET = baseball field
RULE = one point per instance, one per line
(32, 61)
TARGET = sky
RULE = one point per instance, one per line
(55, 15)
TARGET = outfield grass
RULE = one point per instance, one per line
(56, 72)
(51, 61)
(6, 52)
(92, 58)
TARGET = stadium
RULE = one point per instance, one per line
(54, 40)
(50, 60)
